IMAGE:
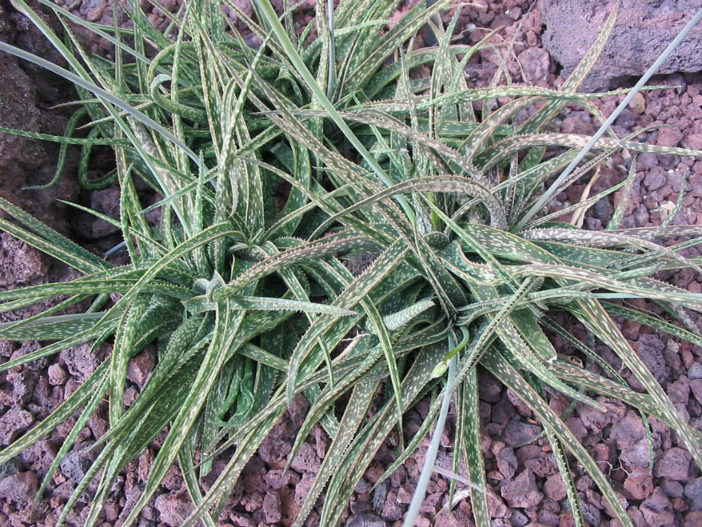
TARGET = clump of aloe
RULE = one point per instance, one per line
(277, 165)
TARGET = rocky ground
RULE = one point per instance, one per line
(525, 485)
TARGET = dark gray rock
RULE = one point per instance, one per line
(650, 348)
(81, 363)
(77, 462)
(551, 519)
(642, 31)
(379, 495)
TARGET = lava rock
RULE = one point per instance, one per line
(595, 420)
(655, 179)
(628, 431)
(106, 202)
(669, 137)
(518, 519)
(507, 463)
(693, 491)
(641, 33)
(696, 388)
(365, 520)
(650, 348)
(517, 432)
(636, 456)
(139, 368)
(535, 65)
(271, 507)
(657, 510)
(78, 461)
(392, 510)
(57, 375)
(639, 483)
(693, 519)
(277, 479)
(694, 141)
(12, 423)
(555, 488)
(591, 514)
(306, 460)
(674, 464)
(81, 363)
(20, 487)
(173, 508)
(522, 492)
(496, 505)
(19, 262)
(27, 94)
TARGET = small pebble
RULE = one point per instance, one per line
(638, 103)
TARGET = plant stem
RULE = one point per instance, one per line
(433, 450)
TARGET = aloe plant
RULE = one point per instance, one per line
(278, 164)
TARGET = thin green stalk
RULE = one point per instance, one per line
(433, 450)
(331, 70)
